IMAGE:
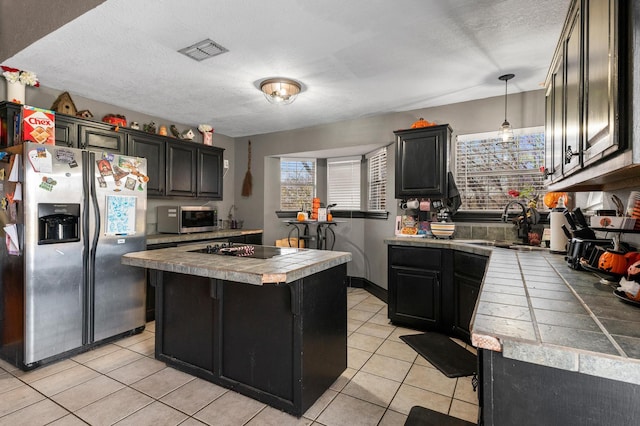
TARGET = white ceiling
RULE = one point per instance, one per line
(355, 58)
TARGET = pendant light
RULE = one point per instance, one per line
(505, 133)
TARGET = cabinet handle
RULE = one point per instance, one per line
(569, 154)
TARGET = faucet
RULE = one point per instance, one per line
(524, 223)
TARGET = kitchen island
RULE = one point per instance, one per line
(555, 345)
(273, 329)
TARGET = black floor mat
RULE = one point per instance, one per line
(446, 355)
(420, 416)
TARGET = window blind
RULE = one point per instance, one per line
(343, 183)
(297, 183)
(377, 180)
(486, 170)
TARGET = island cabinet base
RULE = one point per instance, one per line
(520, 393)
(281, 344)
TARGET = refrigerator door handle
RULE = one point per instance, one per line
(92, 204)
(87, 306)
(96, 208)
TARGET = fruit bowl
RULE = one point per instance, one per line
(442, 229)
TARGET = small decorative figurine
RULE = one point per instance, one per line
(188, 135)
(150, 127)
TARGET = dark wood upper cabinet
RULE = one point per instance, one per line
(193, 170)
(153, 149)
(573, 94)
(66, 131)
(181, 169)
(588, 98)
(98, 137)
(601, 82)
(209, 173)
(175, 168)
(421, 161)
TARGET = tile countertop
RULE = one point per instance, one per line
(182, 238)
(534, 308)
(278, 269)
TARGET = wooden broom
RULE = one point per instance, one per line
(247, 183)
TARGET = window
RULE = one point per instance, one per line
(486, 171)
(297, 183)
(343, 183)
(377, 181)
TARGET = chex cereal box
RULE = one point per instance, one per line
(38, 125)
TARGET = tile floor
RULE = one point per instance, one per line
(121, 383)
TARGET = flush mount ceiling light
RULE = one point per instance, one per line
(505, 133)
(280, 91)
(203, 50)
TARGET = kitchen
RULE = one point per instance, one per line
(359, 236)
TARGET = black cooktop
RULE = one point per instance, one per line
(245, 250)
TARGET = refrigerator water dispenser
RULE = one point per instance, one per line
(58, 223)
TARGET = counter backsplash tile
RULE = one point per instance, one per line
(500, 232)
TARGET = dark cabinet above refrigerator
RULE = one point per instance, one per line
(176, 168)
(421, 162)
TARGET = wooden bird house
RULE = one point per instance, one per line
(64, 105)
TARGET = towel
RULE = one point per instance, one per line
(454, 201)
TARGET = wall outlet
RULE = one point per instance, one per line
(226, 164)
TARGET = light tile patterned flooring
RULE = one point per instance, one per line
(121, 383)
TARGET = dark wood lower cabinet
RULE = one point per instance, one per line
(281, 344)
(434, 289)
(415, 297)
(417, 279)
(519, 393)
(468, 272)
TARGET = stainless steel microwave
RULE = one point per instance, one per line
(186, 219)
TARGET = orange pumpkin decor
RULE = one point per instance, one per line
(422, 123)
(551, 199)
(613, 262)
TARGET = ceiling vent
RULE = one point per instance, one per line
(203, 50)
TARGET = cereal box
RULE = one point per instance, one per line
(38, 125)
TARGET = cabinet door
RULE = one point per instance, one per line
(181, 169)
(209, 179)
(98, 137)
(467, 279)
(554, 135)
(153, 149)
(421, 162)
(601, 77)
(66, 131)
(414, 297)
(9, 123)
(573, 96)
(466, 296)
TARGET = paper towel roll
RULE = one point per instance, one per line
(558, 237)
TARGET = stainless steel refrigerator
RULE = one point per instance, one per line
(68, 215)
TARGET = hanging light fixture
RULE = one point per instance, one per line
(505, 133)
(280, 91)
